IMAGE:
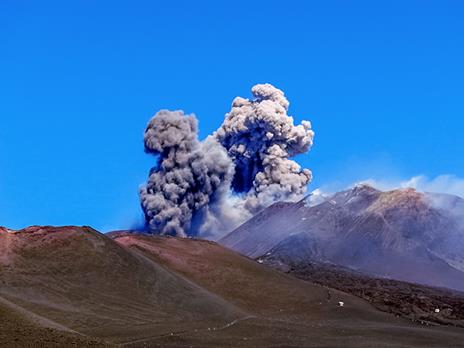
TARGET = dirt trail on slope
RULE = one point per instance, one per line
(184, 332)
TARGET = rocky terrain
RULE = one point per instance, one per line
(65, 286)
(400, 234)
(418, 303)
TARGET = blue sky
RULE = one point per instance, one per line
(381, 81)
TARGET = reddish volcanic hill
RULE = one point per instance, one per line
(400, 234)
(88, 283)
(73, 284)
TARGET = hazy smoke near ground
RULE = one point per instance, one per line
(208, 187)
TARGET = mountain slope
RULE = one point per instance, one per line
(413, 301)
(399, 234)
(136, 290)
(19, 330)
(282, 311)
(84, 281)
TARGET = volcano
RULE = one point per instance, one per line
(400, 234)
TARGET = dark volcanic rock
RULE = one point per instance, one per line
(420, 303)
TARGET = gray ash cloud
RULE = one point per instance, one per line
(205, 188)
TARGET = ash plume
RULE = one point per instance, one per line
(208, 187)
(260, 137)
(188, 176)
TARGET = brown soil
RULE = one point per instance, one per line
(283, 312)
(73, 286)
(18, 331)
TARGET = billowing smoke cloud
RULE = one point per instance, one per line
(260, 137)
(208, 187)
(188, 177)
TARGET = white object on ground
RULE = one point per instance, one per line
(341, 304)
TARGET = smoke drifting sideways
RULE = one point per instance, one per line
(207, 188)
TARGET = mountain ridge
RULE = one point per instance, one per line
(399, 234)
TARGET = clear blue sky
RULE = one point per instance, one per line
(381, 81)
